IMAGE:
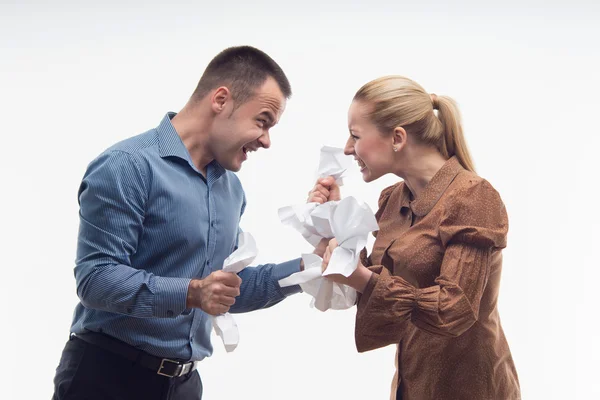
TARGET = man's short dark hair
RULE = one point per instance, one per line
(242, 69)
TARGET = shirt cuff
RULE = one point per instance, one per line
(170, 296)
(284, 270)
(369, 288)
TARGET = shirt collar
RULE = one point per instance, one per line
(405, 197)
(436, 187)
(170, 145)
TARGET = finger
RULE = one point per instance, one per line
(221, 309)
(327, 256)
(332, 244)
(323, 190)
(327, 181)
(227, 300)
(319, 190)
(317, 197)
(229, 291)
(238, 280)
(231, 279)
(334, 192)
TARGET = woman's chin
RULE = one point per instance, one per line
(368, 176)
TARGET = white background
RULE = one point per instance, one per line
(77, 77)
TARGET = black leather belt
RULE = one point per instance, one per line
(162, 366)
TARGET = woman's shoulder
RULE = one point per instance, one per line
(473, 198)
(470, 185)
(473, 212)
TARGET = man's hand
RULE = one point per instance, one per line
(214, 294)
(325, 190)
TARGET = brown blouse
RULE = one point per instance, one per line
(437, 263)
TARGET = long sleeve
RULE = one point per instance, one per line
(474, 224)
(112, 199)
(260, 287)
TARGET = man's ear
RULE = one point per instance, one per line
(219, 99)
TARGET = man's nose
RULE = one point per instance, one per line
(265, 140)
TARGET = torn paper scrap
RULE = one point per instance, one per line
(326, 294)
(224, 324)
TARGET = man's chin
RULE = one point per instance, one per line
(233, 166)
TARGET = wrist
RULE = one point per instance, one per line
(360, 278)
(193, 294)
(321, 247)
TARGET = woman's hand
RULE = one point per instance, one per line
(357, 280)
(321, 248)
(326, 189)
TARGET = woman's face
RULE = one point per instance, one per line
(373, 151)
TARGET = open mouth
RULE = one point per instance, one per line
(247, 150)
(361, 165)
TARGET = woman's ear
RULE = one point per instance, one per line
(399, 138)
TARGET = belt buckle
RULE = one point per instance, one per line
(162, 365)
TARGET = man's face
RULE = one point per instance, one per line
(236, 133)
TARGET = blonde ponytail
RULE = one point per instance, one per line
(399, 101)
(453, 143)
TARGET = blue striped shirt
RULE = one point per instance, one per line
(149, 223)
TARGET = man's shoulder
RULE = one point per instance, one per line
(135, 151)
(136, 144)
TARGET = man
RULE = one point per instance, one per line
(159, 213)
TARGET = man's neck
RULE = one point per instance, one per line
(193, 129)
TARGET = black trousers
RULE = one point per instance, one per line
(89, 372)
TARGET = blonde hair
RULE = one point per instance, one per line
(401, 102)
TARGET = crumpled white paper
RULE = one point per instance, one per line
(224, 324)
(350, 221)
(326, 294)
(312, 221)
(333, 162)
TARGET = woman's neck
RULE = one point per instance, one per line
(420, 166)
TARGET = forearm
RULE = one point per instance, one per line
(260, 288)
(360, 278)
(125, 290)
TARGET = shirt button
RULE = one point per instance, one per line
(129, 310)
(212, 224)
(169, 313)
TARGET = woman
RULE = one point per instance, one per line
(431, 283)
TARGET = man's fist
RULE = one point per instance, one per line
(214, 294)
